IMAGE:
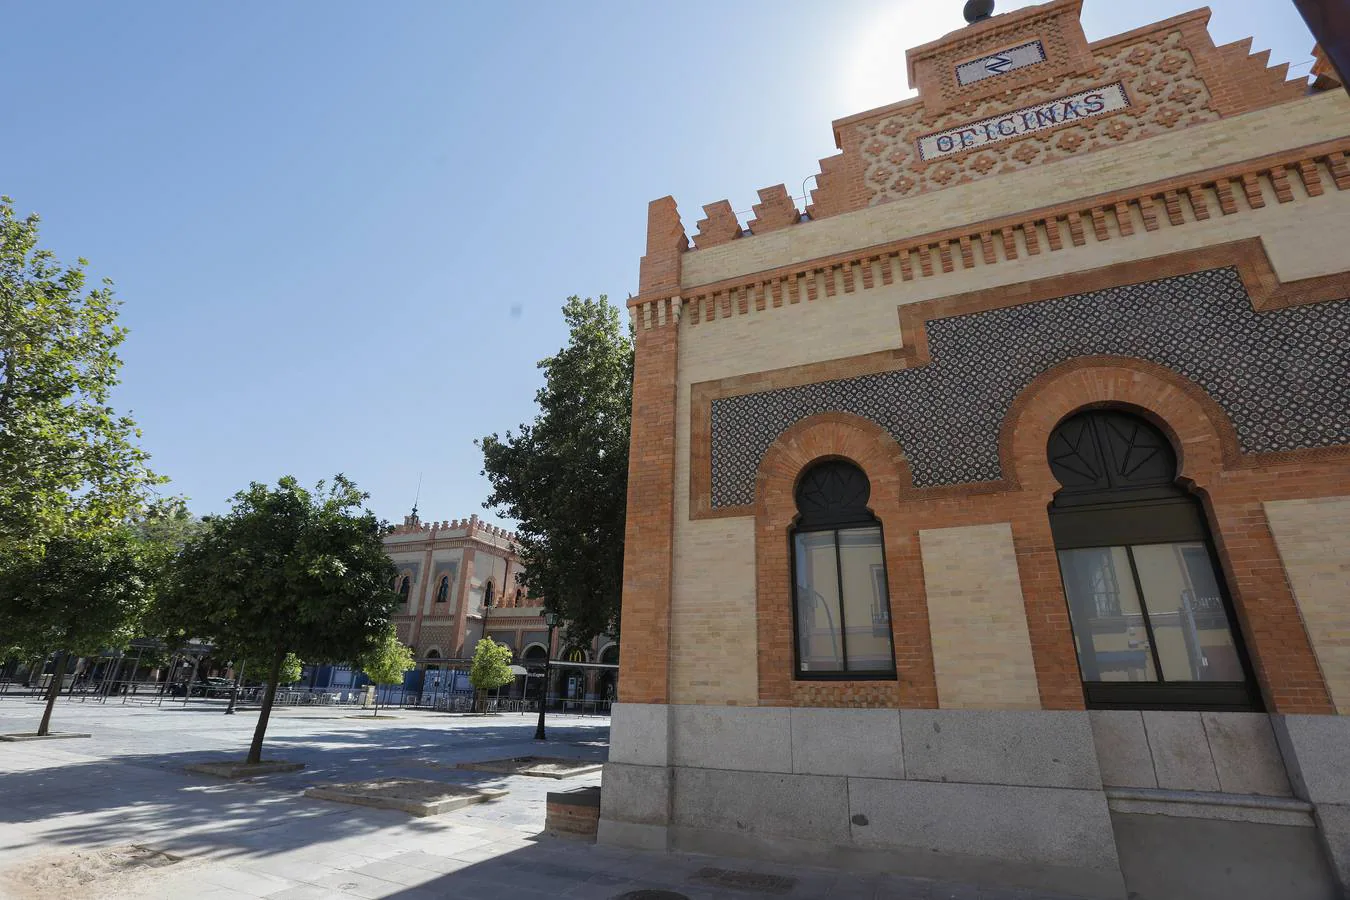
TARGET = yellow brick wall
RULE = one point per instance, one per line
(981, 647)
(1320, 117)
(1304, 239)
(1313, 537)
(713, 636)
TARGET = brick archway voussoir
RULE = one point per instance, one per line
(1202, 432)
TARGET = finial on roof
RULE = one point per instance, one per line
(978, 10)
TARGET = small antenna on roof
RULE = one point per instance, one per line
(418, 495)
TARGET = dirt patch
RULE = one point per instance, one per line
(67, 873)
(411, 795)
(536, 766)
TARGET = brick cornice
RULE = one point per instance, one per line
(1116, 215)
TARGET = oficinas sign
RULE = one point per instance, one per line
(1017, 122)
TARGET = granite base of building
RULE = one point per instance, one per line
(1100, 804)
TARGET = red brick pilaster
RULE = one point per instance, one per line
(649, 526)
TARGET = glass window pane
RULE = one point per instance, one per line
(866, 622)
(1108, 622)
(1185, 607)
(819, 641)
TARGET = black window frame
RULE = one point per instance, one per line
(855, 517)
(1149, 513)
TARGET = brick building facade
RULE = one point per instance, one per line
(991, 519)
(459, 582)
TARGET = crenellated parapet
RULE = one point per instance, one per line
(775, 209)
(718, 226)
(1012, 92)
(448, 528)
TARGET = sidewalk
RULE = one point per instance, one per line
(115, 817)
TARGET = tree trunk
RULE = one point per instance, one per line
(53, 690)
(376, 713)
(255, 750)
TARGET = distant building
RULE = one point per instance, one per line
(459, 583)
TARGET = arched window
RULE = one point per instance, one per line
(487, 593)
(841, 609)
(405, 587)
(1152, 620)
(443, 589)
(517, 600)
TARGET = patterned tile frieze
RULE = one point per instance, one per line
(1282, 376)
(1158, 74)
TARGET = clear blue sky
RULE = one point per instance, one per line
(320, 215)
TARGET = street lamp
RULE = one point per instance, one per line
(551, 619)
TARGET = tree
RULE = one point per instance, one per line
(68, 461)
(79, 593)
(564, 478)
(491, 667)
(386, 663)
(286, 570)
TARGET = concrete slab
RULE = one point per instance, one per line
(863, 742)
(1180, 751)
(33, 736)
(1246, 755)
(535, 766)
(411, 795)
(743, 738)
(236, 770)
(1122, 748)
(1015, 747)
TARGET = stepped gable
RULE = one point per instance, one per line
(1021, 89)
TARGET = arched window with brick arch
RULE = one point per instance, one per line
(489, 590)
(405, 588)
(1152, 617)
(443, 589)
(841, 607)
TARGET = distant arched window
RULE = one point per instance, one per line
(405, 587)
(487, 594)
(841, 608)
(517, 603)
(1151, 617)
(443, 589)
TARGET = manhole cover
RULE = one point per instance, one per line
(745, 881)
(651, 895)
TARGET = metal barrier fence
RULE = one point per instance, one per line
(156, 692)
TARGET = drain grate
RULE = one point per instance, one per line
(761, 882)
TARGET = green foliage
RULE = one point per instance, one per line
(80, 592)
(290, 669)
(286, 570)
(68, 461)
(564, 478)
(491, 667)
(387, 662)
(255, 666)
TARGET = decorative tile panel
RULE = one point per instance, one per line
(1161, 85)
(1282, 376)
(1000, 63)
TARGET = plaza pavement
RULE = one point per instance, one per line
(74, 812)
